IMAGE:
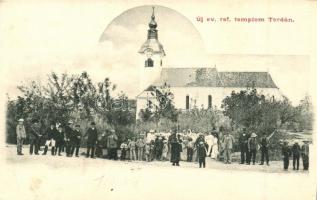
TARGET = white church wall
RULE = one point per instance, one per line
(198, 96)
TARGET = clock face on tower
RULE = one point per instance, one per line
(149, 53)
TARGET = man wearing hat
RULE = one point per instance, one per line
(228, 142)
(75, 141)
(112, 145)
(286, 153)
(35, 137)
(50, 139)
(91, 140)
(252, 146)
(296, 155)
(243, 143)
(305, 154)
(21, 135)
(68, 135)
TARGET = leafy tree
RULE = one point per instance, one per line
(257, 112)
(161, 107)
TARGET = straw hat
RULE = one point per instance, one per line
(21, 120)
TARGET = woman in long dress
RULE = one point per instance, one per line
(176, 149)
(215, 151)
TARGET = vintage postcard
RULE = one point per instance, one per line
(158, 99)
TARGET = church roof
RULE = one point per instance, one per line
(210, 77)
(247, 79)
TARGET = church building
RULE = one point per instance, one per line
(192, 87)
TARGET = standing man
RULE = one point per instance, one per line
(296, 154)
(264, 148)
(140, 144)
(91, 140)
(35, 137)
(305, 154)
(112, 145)
(285, 153)
(228, 141)
(68, 136)
(158, 147)
(75, 141)
(252, 146)
(21, 135)
(49, 137)
(243, 143)
(59, 138)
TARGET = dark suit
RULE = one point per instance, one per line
(35, 139)
(68, 136)
(91, 141)
(75, 142)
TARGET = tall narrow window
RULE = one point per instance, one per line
(149, 63)
(209, 101)
(187, 102)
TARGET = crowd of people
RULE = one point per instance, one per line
(149, 146)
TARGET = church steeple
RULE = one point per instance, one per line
(152, 32)
(152, 44)
(151, 56)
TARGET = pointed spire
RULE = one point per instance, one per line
(153, 23)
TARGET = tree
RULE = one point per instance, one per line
(257, 112)
(66, 97)
(161, 107)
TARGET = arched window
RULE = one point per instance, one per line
(149, 63)
(187, 102)
(209, 101)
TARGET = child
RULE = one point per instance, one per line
(124, 148)
(165, 150)
(147, 152)
(202, 153)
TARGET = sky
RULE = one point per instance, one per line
(103, 38)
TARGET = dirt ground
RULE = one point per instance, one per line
(60, 177)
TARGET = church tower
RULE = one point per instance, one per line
(151, 55)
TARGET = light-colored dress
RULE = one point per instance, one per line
(215, 151)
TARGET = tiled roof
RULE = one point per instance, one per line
(210, 77)
(247, 79)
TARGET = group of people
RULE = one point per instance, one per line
(156, 146)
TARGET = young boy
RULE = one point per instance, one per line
(124, 148)
(202, 153)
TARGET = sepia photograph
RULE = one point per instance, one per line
(160, 100)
